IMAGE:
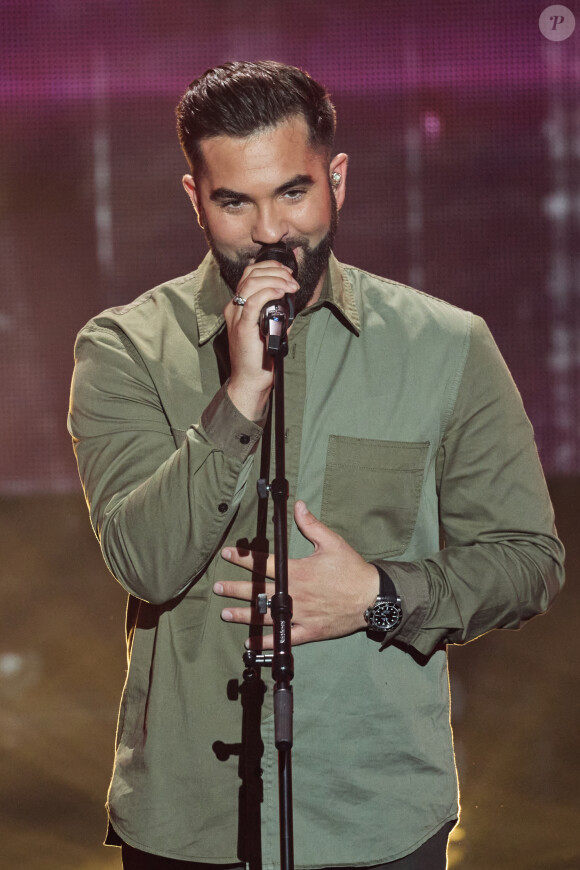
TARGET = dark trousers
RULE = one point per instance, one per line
(432, 855)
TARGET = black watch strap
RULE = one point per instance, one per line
(386, 585)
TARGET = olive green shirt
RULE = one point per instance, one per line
(406, 435)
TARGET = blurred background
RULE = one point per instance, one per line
(462, 121)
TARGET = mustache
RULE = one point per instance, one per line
(246, 255)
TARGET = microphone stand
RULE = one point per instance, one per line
(281, 661)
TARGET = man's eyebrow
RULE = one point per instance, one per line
(297, 181)
(221, 193)
(225, 193)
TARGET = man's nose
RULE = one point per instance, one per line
(269, 225)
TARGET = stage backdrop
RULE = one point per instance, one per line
(463, 125)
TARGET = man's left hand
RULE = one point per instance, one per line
(330, 589)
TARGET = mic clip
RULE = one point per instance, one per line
(275, 320)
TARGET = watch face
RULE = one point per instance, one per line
(385, 615)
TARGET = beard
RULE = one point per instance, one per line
(311, 265)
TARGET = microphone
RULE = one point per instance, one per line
(278, 315)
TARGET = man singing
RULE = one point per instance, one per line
(414, 482)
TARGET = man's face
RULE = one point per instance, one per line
(268, 187)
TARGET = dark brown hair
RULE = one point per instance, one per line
(240, 98)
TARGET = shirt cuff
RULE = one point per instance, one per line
(229, 430)
(413, 589)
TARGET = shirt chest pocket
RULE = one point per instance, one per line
(372, 491)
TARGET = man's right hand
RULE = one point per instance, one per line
(252, 378)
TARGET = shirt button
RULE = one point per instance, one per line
(244, 439)
(222, 508)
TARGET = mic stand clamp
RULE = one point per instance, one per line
(253, 661)
(275, 318)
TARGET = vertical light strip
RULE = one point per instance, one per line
(103, 210)
(560, 204)
(413, 166)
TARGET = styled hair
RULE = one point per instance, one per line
(241, 98)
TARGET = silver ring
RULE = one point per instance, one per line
(239, 300)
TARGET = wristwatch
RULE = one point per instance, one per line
(386, 613)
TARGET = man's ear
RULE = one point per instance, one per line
(338, 169)
(191, 191)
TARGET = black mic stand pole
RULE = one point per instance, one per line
(280, 605)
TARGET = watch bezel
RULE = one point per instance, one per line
(384, 615)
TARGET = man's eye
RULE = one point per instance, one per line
(233, 204)
(295, 194)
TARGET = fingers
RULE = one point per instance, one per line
(244, 591)
(266, 276)
(246, 616)
(241, 591)
(266, 642)
(260, 283)
(251, 560)
(258, 563)
(312, 585)
(267, 270)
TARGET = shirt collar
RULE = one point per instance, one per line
(211, 294)
(338, 294)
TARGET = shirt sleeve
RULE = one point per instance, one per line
(160, 508)
(501, 562)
